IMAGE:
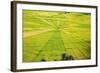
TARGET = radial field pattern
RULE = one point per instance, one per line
(56, 36)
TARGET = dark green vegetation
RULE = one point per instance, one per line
(56, 36)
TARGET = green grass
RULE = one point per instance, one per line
(47, 35)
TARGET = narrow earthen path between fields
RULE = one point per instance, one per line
(32, 33)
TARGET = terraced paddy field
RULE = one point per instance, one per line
(56, 36)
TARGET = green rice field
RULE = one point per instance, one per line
(56, 36)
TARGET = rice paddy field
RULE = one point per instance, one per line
(56, 36)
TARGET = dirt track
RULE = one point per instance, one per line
(32, 33)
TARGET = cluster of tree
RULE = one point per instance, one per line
(64, 57)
